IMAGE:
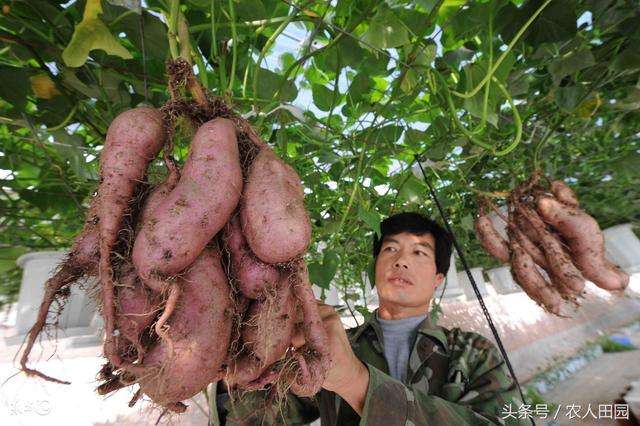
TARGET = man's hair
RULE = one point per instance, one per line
(417, 224)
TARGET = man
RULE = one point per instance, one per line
(398, 368)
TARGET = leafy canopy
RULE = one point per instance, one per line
(348, 92)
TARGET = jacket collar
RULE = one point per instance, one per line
(427, 328)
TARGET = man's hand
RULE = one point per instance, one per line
(348, 376)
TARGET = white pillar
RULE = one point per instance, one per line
(623, 247)
(466, 284)
(38, 267)
(451, 280)
(502, 280)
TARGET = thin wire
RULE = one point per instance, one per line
(463, 260)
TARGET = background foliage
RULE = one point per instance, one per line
(348, 92)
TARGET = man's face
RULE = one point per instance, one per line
(406, 274)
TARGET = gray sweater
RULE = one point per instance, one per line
(398, 336)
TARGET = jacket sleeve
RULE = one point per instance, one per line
(266, 408)
(477, 393)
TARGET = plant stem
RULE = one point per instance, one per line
(234, 35)
(173, 26)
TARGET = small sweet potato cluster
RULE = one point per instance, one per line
(553, 245)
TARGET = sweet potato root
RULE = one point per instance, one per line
(266, 334)
(530, 247)
(489, 238)
(136, 308)
(157, 195)
(200, 329)
(313, 358)
(252, 276)
(274, 220)
(81, 262)
(563, 193)
(559, 263)
(197, 208)
(134, 139)
(525, 273)
(586, 241)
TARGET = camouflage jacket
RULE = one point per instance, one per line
(453, 378)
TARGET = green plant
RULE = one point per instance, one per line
(609, 346)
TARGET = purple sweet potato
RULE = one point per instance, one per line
(525, 273)
(252, 276)
(586, 241)
(563, 193)
(136, 308)
(266, 334)
(314, 357)
(200, 330)
(274, 219)
(198, 207)
(134, 139)
(489, 238)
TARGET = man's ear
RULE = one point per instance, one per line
(439, 279)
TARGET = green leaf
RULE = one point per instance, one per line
(448, 8)
(15, 86)
(362, 310)
(321, 274)
(568, 97)
(468, 23)
(8, 257)
(156, 44)
(250, 10)
(269, 82)
(453, 58)
(370, 217)
(322, 97)
(467, 222)
(91, 33)
(570, 64)
(386, 30)
(628, 60)
(557, 22)
(419, 65)
(360, 86)
(474, 74)
(412, 190)
(371, 271)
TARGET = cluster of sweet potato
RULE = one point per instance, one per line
(553, 245)
(201, 277)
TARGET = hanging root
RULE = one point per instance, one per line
(81, 262)
(54, 289)
(161, 328)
